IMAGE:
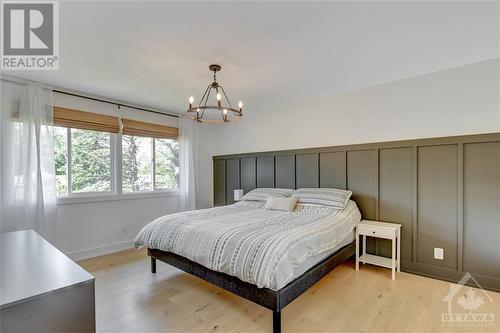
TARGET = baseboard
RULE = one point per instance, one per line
(450, 275)
(100, 250)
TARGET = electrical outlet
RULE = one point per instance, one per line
(438, 253)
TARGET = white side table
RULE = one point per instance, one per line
(384, 230)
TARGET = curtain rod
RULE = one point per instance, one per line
(19, 81)
(113, 103)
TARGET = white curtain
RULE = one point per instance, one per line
(27, 173)
(188, 138)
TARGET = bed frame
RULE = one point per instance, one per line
(271, 299)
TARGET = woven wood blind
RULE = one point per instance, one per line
(85, 120)
(139, 128)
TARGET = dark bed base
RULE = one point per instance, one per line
(271, 299)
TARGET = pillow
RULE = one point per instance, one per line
(262, 194)
(323, 196)
(279, 203)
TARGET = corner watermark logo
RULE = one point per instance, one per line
(30, 35)
(465, 305)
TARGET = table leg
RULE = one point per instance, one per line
(357, 249)
(399, 251)
(364, 246)
(394, 258)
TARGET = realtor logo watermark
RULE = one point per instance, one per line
(30, 35)
(465, 305)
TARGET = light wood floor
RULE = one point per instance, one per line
(131, 299)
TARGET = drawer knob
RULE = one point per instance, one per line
(373, 231)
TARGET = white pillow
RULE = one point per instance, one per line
(262, 194)
(280, 203)
(323, 196)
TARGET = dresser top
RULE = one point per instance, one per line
(30, 266)
(378, 224)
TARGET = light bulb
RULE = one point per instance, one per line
(225, 111)
(191, 100)
(240, 104)
(219, 96)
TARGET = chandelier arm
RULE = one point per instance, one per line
(203, 96)
(227, 99)
(201, 102)
(208, 95)
(209, 89)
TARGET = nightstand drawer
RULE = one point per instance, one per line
(376, 232)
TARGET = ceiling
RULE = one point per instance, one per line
(157, 54)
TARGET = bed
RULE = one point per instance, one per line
(266, 256)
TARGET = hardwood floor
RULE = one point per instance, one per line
(131, 299)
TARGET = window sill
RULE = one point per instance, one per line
(90, 198)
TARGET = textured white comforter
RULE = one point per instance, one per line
(259, 246)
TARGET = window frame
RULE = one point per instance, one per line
(116, 186)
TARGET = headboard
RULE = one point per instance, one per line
(444, 191)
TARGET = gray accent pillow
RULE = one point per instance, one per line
(262, 194)
(323, 196)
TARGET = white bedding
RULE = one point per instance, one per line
(264, 247)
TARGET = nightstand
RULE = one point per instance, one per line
(384, 230)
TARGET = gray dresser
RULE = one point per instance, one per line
(41, 289)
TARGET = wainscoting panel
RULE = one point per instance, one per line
(438, 204)
(232, 178)
(482, 208)
(285, 171)
(445, 192)
(307, 170)
(396, 196)
(361, 180)
(219, 183)
(332, 168)
(248, 174)
(265, 171)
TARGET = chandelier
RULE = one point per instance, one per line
(224, 112)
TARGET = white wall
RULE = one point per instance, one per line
(87, 230)
(462, 100)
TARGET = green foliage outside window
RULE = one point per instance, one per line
(90, 161)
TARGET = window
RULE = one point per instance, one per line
(149, 164)
(166, 163)
(61, 159)
(90, 162)
(82, 160)
(88, 147)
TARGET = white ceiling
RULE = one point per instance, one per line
(157, 53)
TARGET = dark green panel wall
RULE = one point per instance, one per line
(265, 171)
(248, 174)
(219, 182)
(307, 170)
(333, 169)
(482, 208)
(396, 195)
(285, 171)
(361, 180)
(438, 204)
(232, 178)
